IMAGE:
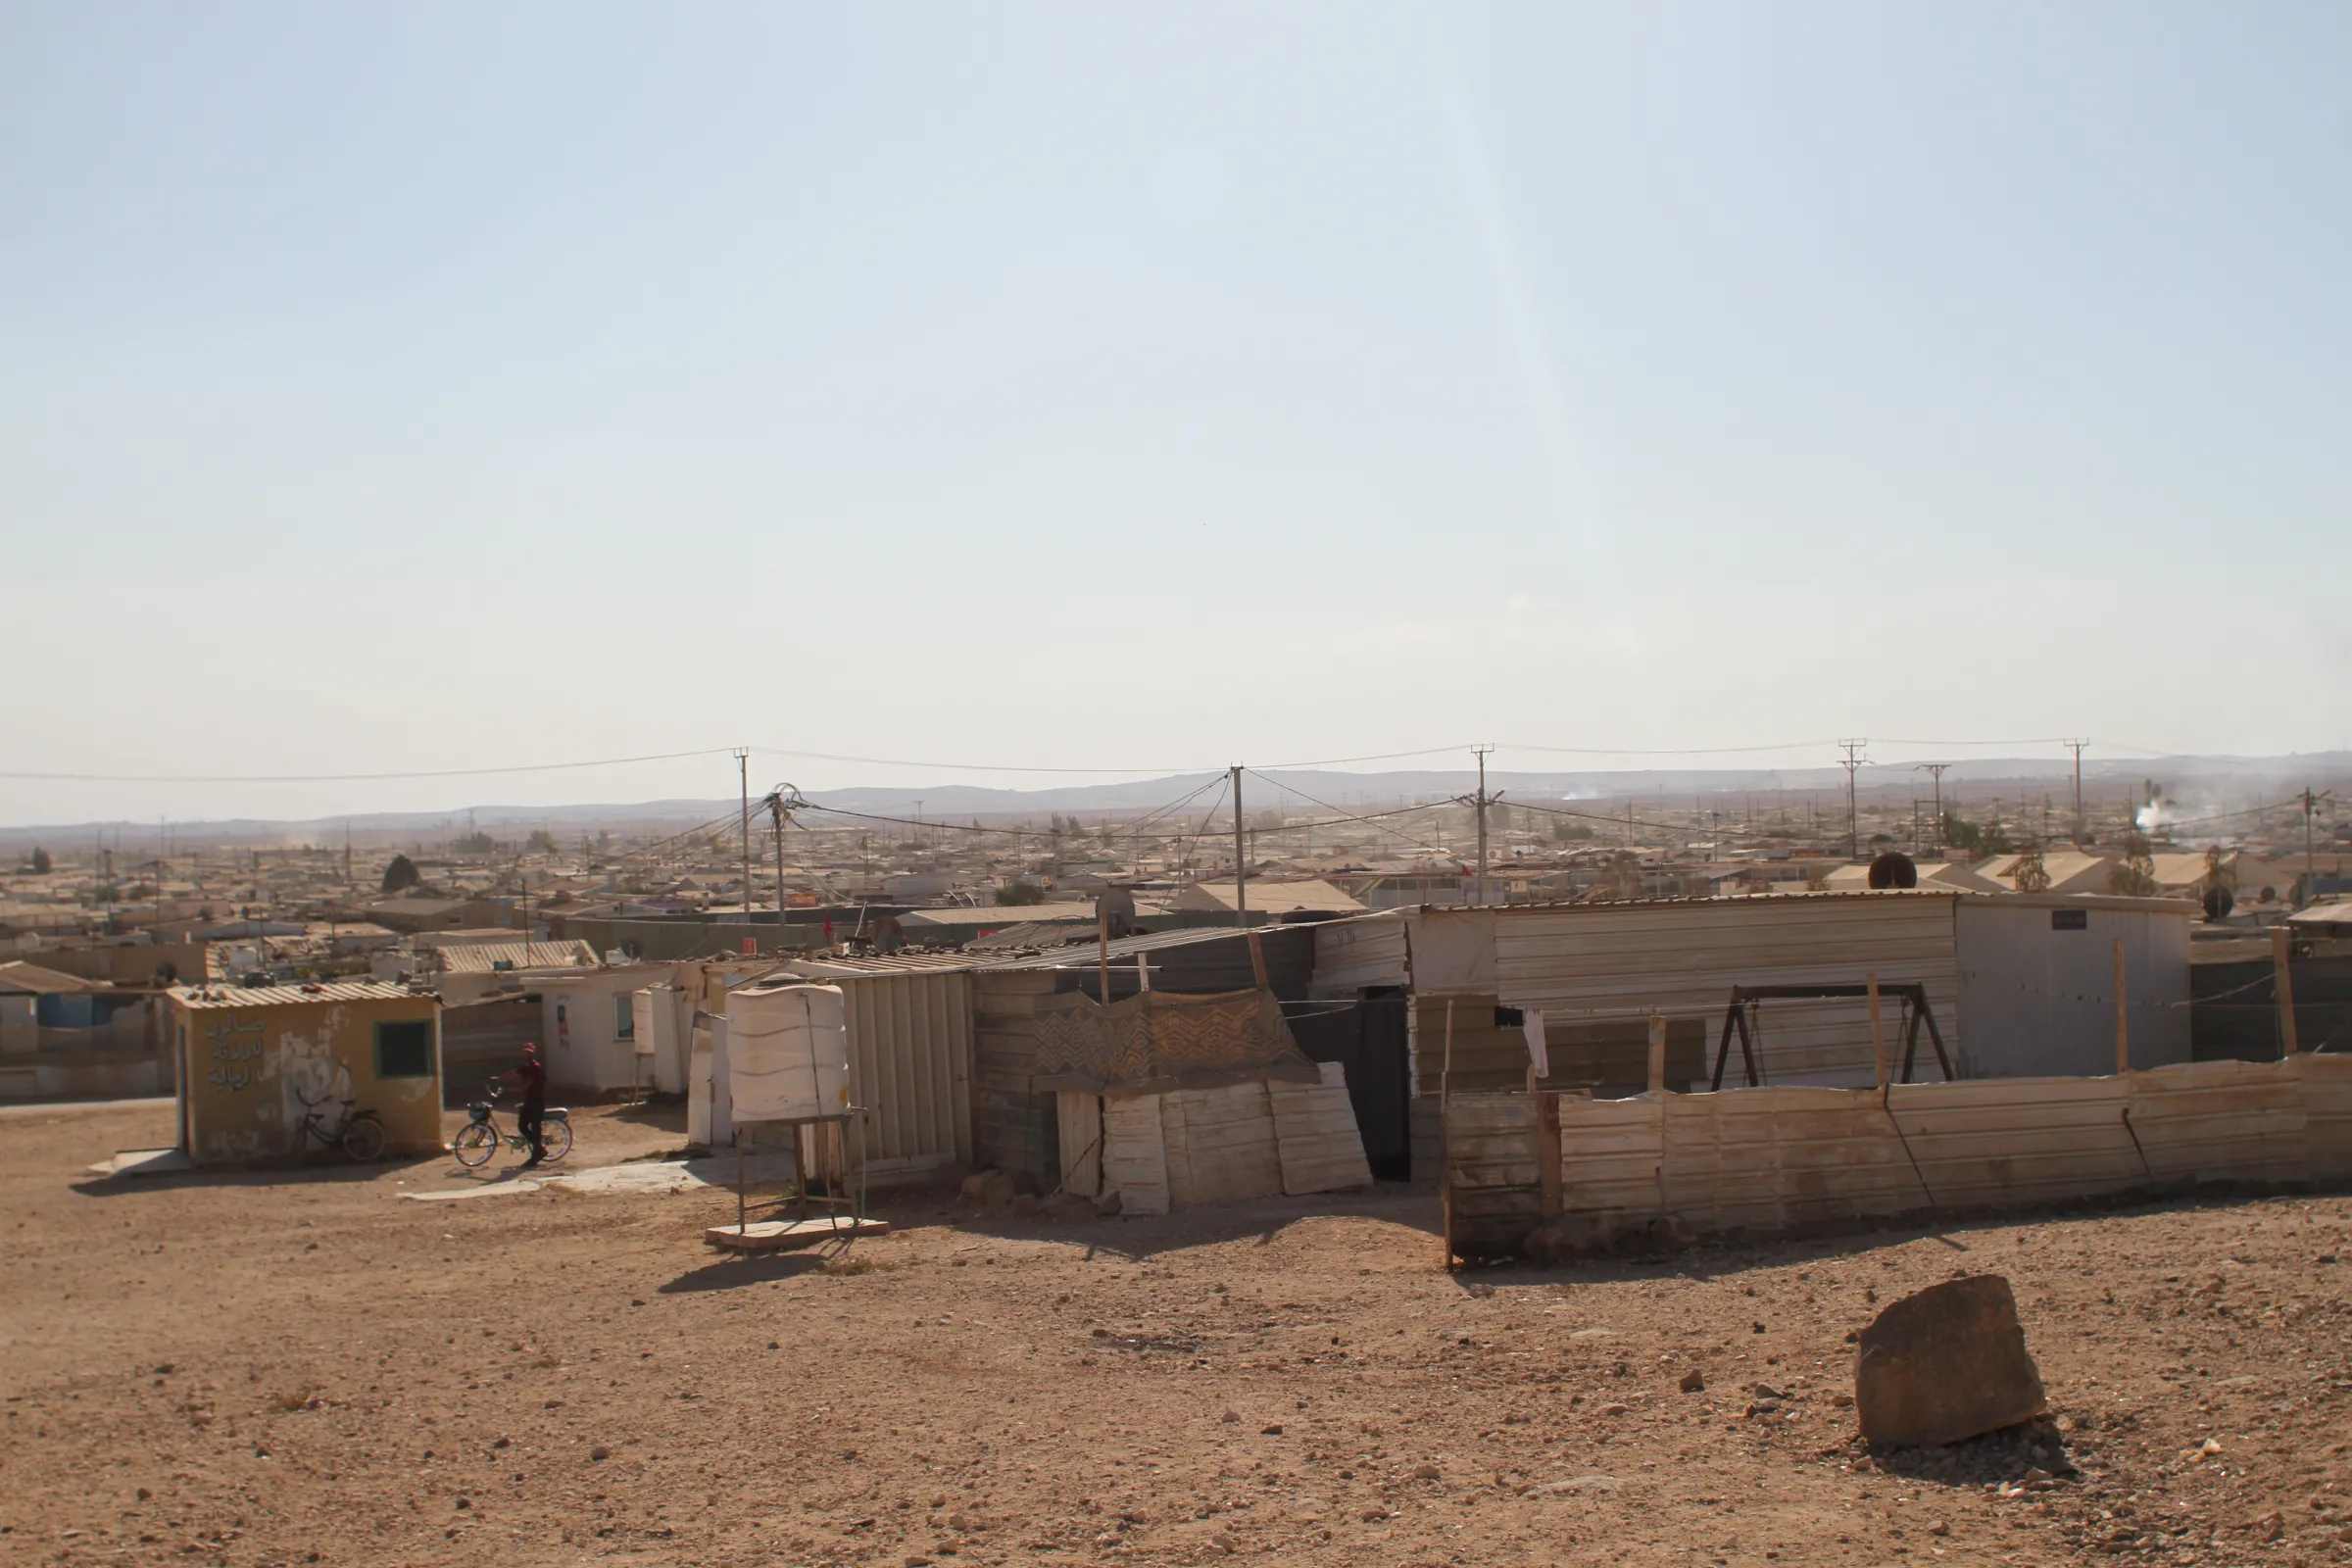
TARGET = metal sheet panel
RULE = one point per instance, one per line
(1352, 955)
(1682, 958)
(911, 1055)
(2037, 986)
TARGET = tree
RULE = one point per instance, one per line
(1962, 834)
(1571, 832)
(42, 865)
(1014, 893)
(2136, 878)
(541, 842)
(401, 874)
(475, 843)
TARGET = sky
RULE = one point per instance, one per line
(403, 389)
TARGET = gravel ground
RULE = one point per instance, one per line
(303, 1368)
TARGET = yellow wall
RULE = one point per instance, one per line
(247, 1071)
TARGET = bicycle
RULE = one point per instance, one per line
(360, 1133)
(479, 1138)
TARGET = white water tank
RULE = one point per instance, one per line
(787, 1052)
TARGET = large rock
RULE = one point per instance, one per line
(1946, 1364)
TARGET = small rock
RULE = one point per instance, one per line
(1425, 1472)
(1694, 1381)
(1765, 1391)
(990, 1188)
(1936, 1527)
(1231, 1417)
(1274, 1430)
(600, 1451)
(1612, 1410)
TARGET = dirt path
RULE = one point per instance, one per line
(288, 1369)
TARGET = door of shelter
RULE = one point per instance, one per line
(1367, 1037)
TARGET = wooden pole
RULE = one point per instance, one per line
(1258, 960)
(2281, 945)
(1878, 1036)
(1103, 947)
(1241, 871)
(1657, 1052)
(2123, 1016)
(1445, 1135)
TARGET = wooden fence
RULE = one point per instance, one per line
(1764, 1161)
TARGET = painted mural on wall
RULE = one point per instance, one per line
(284, 1078)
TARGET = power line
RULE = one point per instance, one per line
(1369, 820)
(353, 778)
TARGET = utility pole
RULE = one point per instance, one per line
(775, 807)
(2077, 750)
(1851, 762)
(1936, 769)
(1480, 751)
(2311, 807)
(742, 766)
(1241, 866)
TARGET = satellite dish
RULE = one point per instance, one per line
(1894, 869)
(2218, 902)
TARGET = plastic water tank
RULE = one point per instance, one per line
(787, 1052)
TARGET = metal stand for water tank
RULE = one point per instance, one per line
(772, 1236)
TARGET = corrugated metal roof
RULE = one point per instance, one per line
(1793, 897)
(1064, 913)
(22, 977)
(484, 957)
(1070, 955)
(296, 996)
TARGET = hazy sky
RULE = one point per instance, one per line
(411, 387)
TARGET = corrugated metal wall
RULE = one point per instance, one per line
(2037, 986)
(911, 1065)
(1352, 955)
(1682, 958)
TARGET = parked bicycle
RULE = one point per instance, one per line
(359, 1133)
(479, 1138)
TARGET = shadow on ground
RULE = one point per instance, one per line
(2032, 1453)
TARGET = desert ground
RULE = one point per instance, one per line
(309, 1367)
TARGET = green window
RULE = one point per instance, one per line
(405, 1049)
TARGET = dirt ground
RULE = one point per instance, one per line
(306, 1368)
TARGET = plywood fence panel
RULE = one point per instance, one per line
(1227, 1138)
(1080, 1117)
(2213, 1121)
(1609, 1151)
(1769, 1158)
(1315, 1135)
(1135, 1155)
(1175, 1152)
(2326, 1115)
(2006, 1142)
